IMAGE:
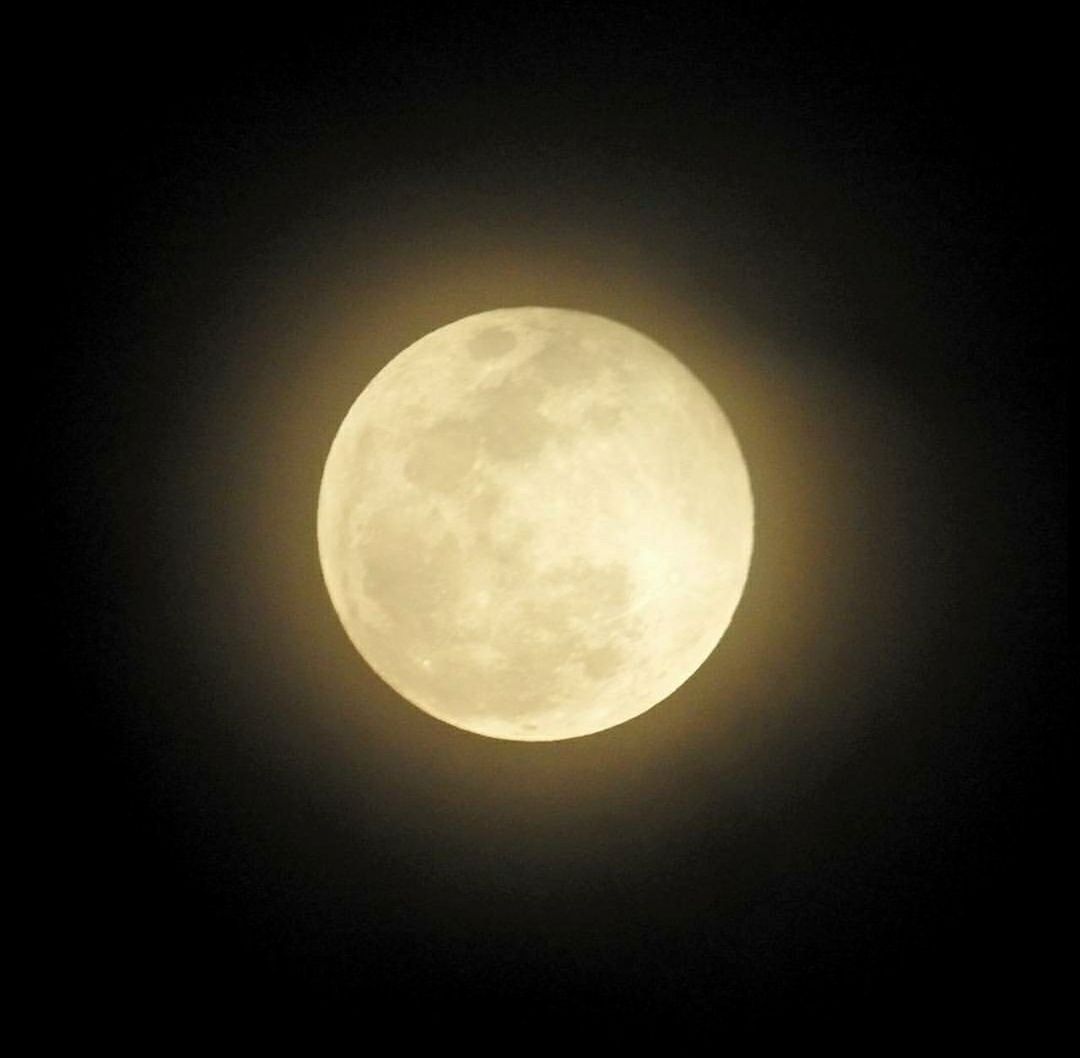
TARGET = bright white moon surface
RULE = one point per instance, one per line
(535, 524)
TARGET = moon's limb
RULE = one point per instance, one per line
(535, 523)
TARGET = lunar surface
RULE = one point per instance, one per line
(535, 524)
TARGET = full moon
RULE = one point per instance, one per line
(535, 524)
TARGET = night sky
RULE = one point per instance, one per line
(844, 226)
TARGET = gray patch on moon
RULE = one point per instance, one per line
(604, 417)
(491, 343)
(405, 575)
(482, 504)
(442, 458)
(603, 662)
(562, 362)
(510, 423)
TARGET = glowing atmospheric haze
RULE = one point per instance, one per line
(535, 523)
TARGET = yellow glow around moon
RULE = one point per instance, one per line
(535, 523)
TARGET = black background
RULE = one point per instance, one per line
(915, 884)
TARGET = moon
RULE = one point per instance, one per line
(535, 523)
